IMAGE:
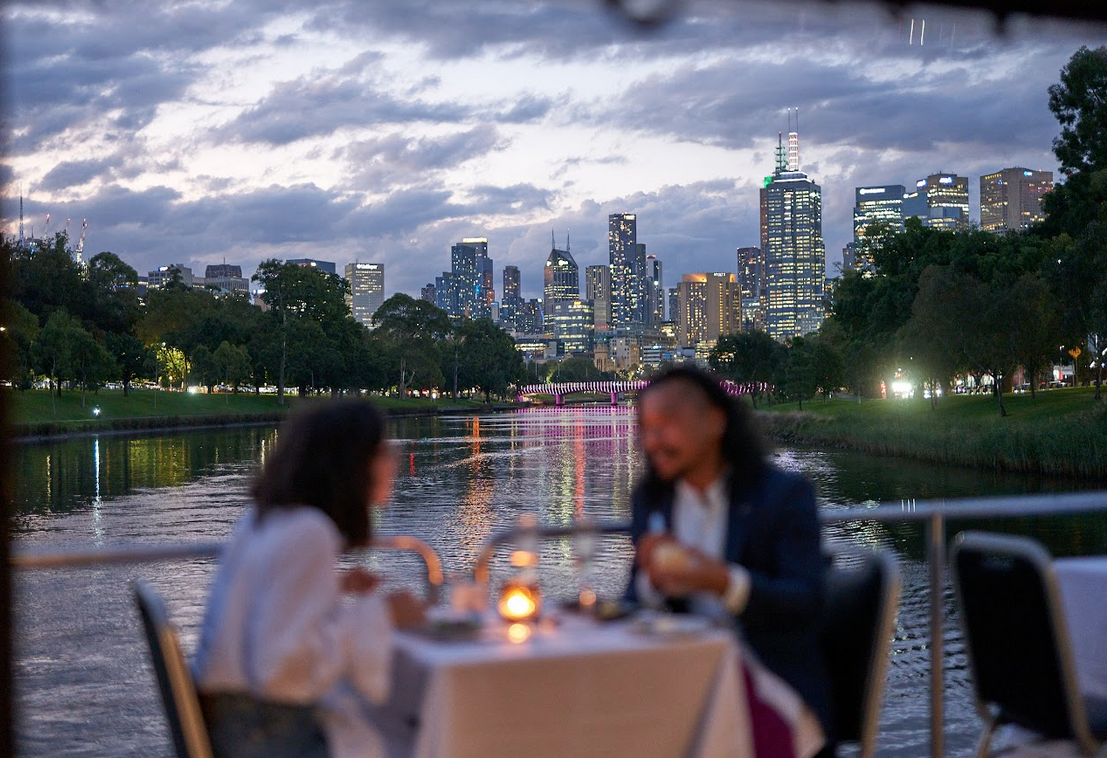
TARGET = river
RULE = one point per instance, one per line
(84, 687)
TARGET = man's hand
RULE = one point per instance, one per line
(357, 580)
(694, 571)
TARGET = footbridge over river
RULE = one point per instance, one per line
(613, 389)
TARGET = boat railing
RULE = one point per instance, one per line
(932, 514)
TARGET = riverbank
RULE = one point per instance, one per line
(1057, 432)
(34, 414)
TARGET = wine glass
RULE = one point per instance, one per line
(584, 554)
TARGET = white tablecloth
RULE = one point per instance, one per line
(1083, 584)
(578, 690)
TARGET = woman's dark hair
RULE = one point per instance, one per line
(743, 447)
(321, 459)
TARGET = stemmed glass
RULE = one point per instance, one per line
(584, 554)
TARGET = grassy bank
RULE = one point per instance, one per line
(34, 413)
(1062, 432)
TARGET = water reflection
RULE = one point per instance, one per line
(83, 683)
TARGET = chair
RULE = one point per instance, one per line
(1017, 639)
(861, 601)
(178, 691)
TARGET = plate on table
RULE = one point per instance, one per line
(670, 624)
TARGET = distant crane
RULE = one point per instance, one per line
(81, 242)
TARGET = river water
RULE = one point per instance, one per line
(84, 687)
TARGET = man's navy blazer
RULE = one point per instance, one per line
(773, 532)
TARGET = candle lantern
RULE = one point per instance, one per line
(519, 601)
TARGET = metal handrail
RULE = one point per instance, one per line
(122, 554)
(933, 512)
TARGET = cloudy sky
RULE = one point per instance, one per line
(195, 132)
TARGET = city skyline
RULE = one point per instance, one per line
(369, 132)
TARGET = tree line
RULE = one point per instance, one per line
(941, 304)
(86, 326)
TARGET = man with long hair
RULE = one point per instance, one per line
(720, 529)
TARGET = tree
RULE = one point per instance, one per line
(234, 364)
(798, 375)
(1079, 101)
(90, 362)
(18, 331)
(489, 360)
(412, 333)
(748, 358)
(53, 348)
(204, 367)
(171, 364)
(131, 357)
(940, 315)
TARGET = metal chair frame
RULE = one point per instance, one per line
(175, 683)
(882, 628)
(1003, 546)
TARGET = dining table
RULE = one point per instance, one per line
(569, 685)
(1083, 586)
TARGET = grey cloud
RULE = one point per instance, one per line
(396, 158)
(74, 173)
(306, 108)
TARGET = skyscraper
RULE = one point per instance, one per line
(640, 286)
(366, 290)
(225, 278)
(795, 264)
(511, 300)
(940, 201)
(655, 293)
(875, 205)
(709, 306)
(428, 293)
(561, 279)
(472, 278)
(622, 246)
(1011, 199)
(751, 286)
(597, 288)
(445, 293)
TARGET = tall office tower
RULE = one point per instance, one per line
(751, 285)
(640, 291)
(875, 205)
(467, 277)
(445, 293)
(226, 279)
(326, 267)
(1011, 199)
(574, 323)
(849, 257)
(597, 288)
(622, 247)
(795, 266)
(486, 289)
(560, 278)
(674, 305)
(940, 201)
(511, 299)
(529, 320)
(428, 293)
(366, 290)
(710, 306)
(655, 293)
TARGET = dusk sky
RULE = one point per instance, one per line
(195, 132)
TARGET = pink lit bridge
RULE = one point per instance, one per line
(560, 390)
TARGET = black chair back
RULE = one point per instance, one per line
(178, 691)
(1016, 636)
(861, 601)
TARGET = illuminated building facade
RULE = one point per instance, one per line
(710, 306)
(940, 201)
(751, 285)
(327, 267)
(561, 280)
(511, 300)
(1011, 199)
(597, 288)
(655, 293)
(622, 247)
(366, 290)
(795, 265)
(875, 205)
(573, 323)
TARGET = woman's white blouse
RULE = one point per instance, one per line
(277, 626)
